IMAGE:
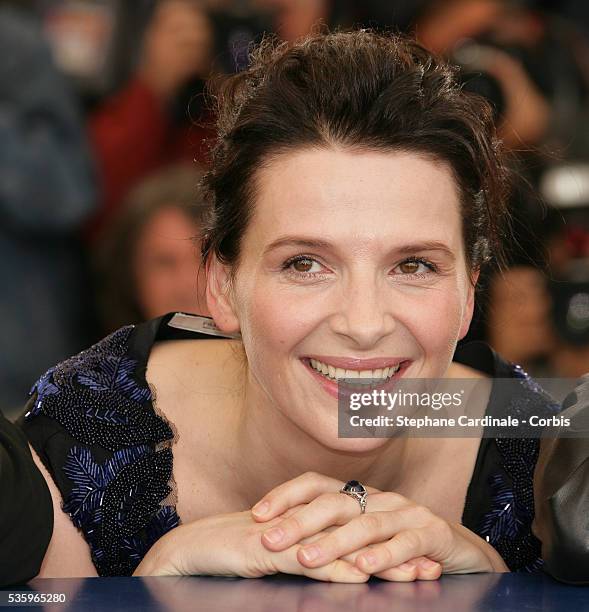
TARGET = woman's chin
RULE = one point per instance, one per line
(347, 445)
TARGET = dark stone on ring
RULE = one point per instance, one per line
(353, 486)
(357, 490)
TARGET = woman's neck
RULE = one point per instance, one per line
(271, 449)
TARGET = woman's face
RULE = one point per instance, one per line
(355, 260)
(166, 265)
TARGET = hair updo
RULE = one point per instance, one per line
(364, 91)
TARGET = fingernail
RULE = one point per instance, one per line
(406, 567)
(427, 563)
(274, 535)
(261, 508)
(369, 558)
(311, 553)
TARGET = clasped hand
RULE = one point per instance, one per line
(305, 526)
(395, 539)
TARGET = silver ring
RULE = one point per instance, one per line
(358, 491)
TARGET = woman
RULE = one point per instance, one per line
(356, 193)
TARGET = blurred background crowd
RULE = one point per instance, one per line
(104, 134)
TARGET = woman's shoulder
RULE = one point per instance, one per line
(514, 391)
(93, 423)
(500, 505)
(102, 394)
(99, 396)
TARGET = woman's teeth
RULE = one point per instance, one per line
(334, 373)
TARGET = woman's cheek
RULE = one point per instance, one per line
(273, 324)
(435, 324)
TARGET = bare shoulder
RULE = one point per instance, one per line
(68, 554)
(191, 373)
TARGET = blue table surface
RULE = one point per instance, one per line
(503, 592)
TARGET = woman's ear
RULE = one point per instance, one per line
(469, 306)
(219, 296)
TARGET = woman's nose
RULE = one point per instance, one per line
(364, 315)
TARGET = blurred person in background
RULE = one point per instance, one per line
(570, 356)
(519, 316)
(147, 124)
(532, 66)
(569, 291)
(539, 319)
(46, 193)
(237, 25)
(295, 18)
(148, 262)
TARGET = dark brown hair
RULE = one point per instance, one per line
(365, 91)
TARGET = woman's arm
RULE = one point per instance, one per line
(68, 555)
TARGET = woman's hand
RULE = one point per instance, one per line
(230, 545)
(395, 539)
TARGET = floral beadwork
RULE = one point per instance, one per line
(96, 398)
(508, 524)
(116, 503)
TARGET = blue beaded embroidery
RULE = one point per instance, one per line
(508, 524)
(116, 503)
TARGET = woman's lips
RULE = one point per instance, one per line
(338, 389)
(353, 363)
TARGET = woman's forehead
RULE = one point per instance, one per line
(364, 194)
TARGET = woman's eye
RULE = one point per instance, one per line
(415, 266)
(304, 265)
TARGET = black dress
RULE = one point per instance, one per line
(26, 511)
(92, 421)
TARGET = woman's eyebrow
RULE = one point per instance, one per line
(406, 249)
(308, 243)
(429, 245)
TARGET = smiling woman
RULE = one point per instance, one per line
(355, 193)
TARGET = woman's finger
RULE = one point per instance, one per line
(406, 545)
(369, 528)
(336, 571)
(290, 512)
(326, 510)
(300, 490)
(420, 568)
